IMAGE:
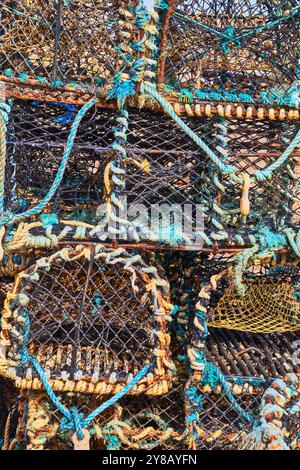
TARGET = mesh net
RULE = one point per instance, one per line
(175, 171)
(269, 304)
(9, 404)
(93, 317)
(60, 42)
(236, 51)
(239, 353)
(96, 318)
(158, 423)
(220, 427)
(261, 296)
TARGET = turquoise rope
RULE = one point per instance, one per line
(73, 420)
(213, 371)
(60, 173)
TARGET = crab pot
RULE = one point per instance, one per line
(92, 317)
(269, 302)
(132, 423)
(174, 191)
(259, 355)
(232, 51)
(37, 136)
(61, 42)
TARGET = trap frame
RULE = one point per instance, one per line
(92, 317)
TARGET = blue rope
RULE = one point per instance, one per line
(213, 375)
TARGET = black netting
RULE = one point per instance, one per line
(165, 168)
(133, 423)
(219, 426)
(172, 190)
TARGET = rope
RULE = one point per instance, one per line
(9, 217)
(267, 172)
(225, 169)
(210, 373)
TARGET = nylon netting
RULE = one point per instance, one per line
(149, 225)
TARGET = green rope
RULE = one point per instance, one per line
(201, 25)
(4, 111)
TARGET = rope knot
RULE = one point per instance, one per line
(73, 422)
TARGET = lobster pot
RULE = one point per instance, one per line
(177, 195)
(37, 136)
(133, 423)
(62, 42)
(10, 265)
(232, 51)
(94, 317)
